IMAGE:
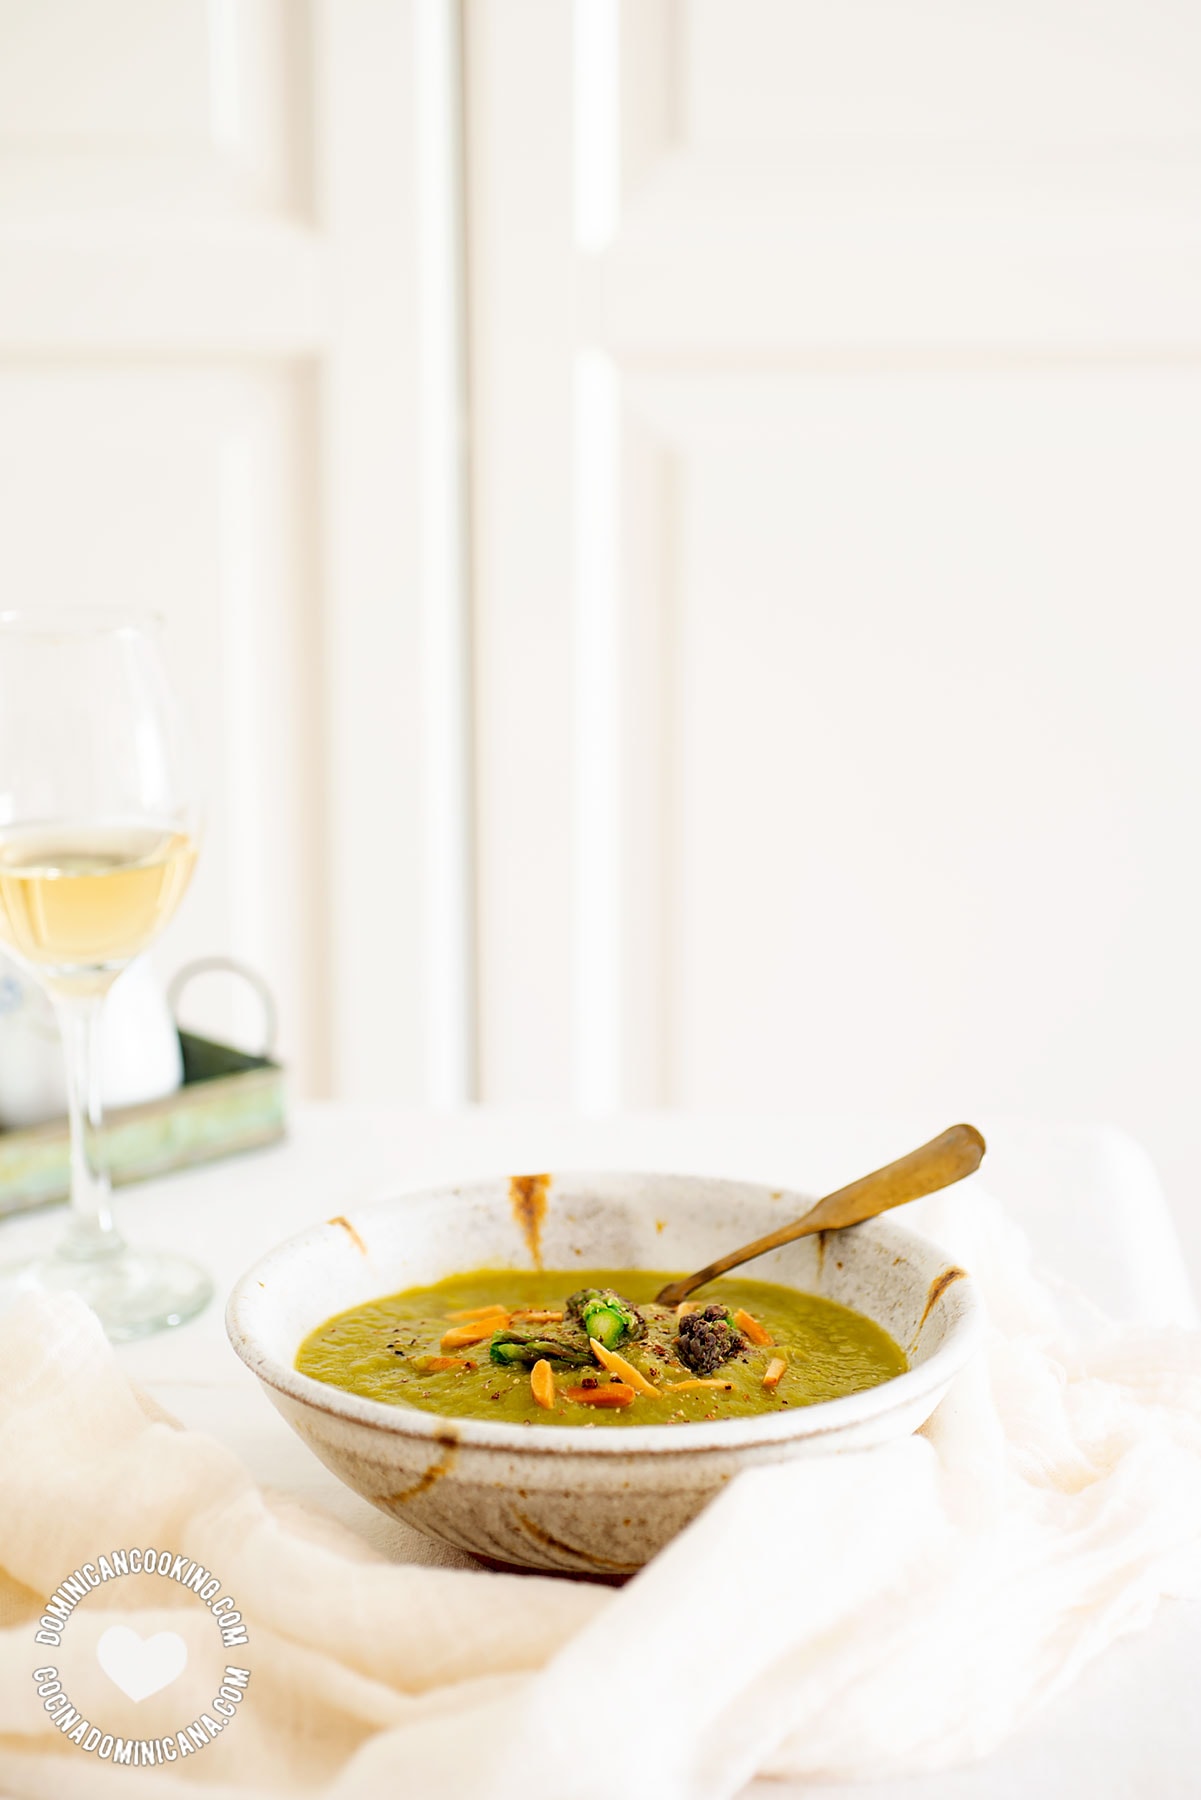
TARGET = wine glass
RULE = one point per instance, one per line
(98, 837)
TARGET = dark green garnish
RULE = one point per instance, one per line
(605, 1316)
(524, 1348)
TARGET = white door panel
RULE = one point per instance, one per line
(130, 109)
(209, 347)
(187, 491)
(858, 675)
(1001, 72)
(932, 759)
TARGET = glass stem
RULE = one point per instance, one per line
(90, 1232)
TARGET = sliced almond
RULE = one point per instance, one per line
(542, 1383)
(750, 1327)
(436, 1365)
(617, 1365)
(681, 1387)
(687, 1306)
(529, 1317)
(608, 1393)
(462, 1335)
(773, 1372)
(480, 1312)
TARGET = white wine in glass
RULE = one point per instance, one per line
(98, 837)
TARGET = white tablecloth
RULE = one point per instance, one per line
(1088, 1199)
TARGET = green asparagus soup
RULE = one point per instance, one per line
(565, 1347)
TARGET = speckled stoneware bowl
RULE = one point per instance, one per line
(565, 1497)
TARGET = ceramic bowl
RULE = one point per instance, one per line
(597, 1502)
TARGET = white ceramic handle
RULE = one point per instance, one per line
(229, 965)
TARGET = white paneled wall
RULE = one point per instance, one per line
(211, 337)
(837, 389)
(187, 490)
(822, 730)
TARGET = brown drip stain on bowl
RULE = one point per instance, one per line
(602, 1564)
(434, 1473)
(527, 1197)
(938, 1288)
(350, 1231)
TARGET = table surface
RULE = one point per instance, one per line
(1130, 1726)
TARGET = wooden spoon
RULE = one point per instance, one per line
(938, 1164)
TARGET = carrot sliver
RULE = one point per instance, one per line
(682, 1387)
(462, 1335)
(542, 1383)
(773, 1372)
(436, 1365)
(750, 1327)
(610, 1393)
(617, 1365)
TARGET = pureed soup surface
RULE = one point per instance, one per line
(394, 1349)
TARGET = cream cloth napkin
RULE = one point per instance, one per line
(869, 1614)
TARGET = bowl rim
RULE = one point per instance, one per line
(819, 1419)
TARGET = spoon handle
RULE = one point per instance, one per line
(935, 1165)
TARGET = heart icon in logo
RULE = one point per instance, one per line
(141, 1666)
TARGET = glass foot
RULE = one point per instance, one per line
(134, 1292)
